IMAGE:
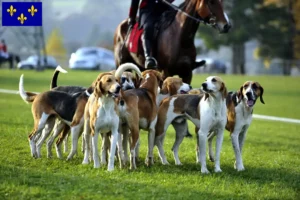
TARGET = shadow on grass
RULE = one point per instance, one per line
(19, 182)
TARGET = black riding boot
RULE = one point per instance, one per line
(150, 62)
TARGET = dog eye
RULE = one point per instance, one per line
(123, 79)
(245, 86)
(254, 86)
(213, 80)
(108, 80)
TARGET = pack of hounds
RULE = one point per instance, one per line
(121, 102)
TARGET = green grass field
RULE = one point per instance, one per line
(271, 154)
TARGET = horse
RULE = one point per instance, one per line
(174, 49)
(11, 58)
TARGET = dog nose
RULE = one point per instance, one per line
(204, 85)
(118, 88)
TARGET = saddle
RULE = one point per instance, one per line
(134, 39)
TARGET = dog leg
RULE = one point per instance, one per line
(137, 150)
(60, 140)
(114, 139)
(104, 148)
(211, 136)
(46, 132)
(58, 128)
(202, 135)
(95, 149)
(219, 141)
(151, 138)
(124, 132)
(66, 149)
(120, 151)
(180, 131)
(135, 138)
(237, 140)
(87, 140)
(75, 132)
(159, 141)
(39, 126)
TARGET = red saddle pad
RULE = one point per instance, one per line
(134, 38)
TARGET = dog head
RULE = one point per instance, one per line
(128, 81)
(107, 85)
(214, 85)
(175, 85)
(249, 92)
(152, 75)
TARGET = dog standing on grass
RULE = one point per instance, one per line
(208, 113)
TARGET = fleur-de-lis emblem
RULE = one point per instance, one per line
(22, 18)
(32, 10)
(11, 10)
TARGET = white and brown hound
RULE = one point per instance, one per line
(239, 117)
(207, 112)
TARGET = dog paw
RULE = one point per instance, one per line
(240, 168)
(85, 162)
(218, 170)
(178, 163)
(205, 171)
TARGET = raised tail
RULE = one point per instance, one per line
(126, 66)
(55, 75)
(26, 96)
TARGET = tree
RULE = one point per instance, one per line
(271, 22)
(281, 29)
(55, 46)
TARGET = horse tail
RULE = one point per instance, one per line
(126, 66)
(26, 96)
(55, 75)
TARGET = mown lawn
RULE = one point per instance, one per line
(271, 154)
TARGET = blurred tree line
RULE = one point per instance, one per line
(275, 24)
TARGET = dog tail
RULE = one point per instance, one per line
(126, 66)
(55, 75)
(26, 96)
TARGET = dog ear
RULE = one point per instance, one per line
(240, 95)
(261, 94)
(137, 81)
(98, 89)
(224, 91)
(172, 89)
(164, 88)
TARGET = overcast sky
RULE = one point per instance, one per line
(67, 7)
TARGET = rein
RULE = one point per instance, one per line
(188, 15)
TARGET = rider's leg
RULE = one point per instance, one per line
(147, 40)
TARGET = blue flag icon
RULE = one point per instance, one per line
(22, 14)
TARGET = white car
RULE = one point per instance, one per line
(32, 61)
(94, 58)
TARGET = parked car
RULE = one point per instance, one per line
(94, 58)
(211, 66)
(32, 61)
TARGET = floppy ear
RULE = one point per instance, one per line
(98, 89)
(224, 91)
(261, 94)
(206, 96)
(240, 94)
(137, 81)
(172, 89)
(159, 78)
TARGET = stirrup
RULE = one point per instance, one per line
(150, 63)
